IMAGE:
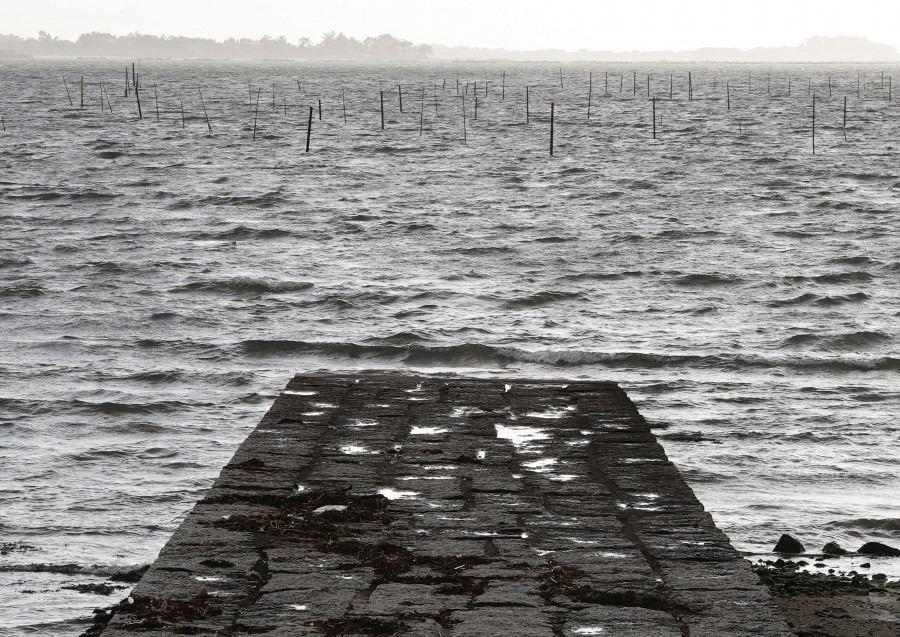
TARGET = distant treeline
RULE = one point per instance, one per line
(815, 49)
(137, 45)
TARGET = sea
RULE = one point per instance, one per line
(164, 273)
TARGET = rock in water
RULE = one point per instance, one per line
(833, 548)
(878, 549)
(788, 544)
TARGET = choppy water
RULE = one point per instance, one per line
(159, 285)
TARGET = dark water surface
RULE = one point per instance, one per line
(160, 284)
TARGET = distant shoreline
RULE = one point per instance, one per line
(386, 48)
(579, 62)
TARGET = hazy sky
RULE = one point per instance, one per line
(617, 25)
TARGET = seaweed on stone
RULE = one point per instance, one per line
(130, 577)
(563, 581)
(366, 625)
(253, 464)
(142, 613)
(787, 579)
(316, 516)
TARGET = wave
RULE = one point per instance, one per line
(859, 340)
(851, 341)
(860, 276)
(14, 262)
(110, 408)
(418, 354)
(245, 285)
(551, 239)
(266, 200)
(796, 300)
(705, 280)
(241, 232)
(486, 250)
(829, 301)
(541, 298)
(23, 290)
(419, 227)
(879, 524)
(822, 301)
(37, 196)
(598, 276)
(400, 338)
(857, 260)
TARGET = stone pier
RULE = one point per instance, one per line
(397, 505)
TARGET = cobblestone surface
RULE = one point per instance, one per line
(381, 505)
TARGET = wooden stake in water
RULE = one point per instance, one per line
(551, 127)
(845, 118)
(690, 87)
(256, 116)
(156, 101)
(320, 110)
(829, 87)
(205, 114)
(789, 87)
(654, 117)
(648, 85)
(476, 108)
(728, 95)
(814, 125)
(273, 97)
(344, 105)
(71, 103)
(133, 76)
(671, 85)
(137, 96)
(621, 81)
(400, 95)
(309, 128)
(126, 80)
(606, 82)
(102, 108)
(527, 109)
(82, 91)
(107, 102)
(634, 84)
(382, 110)
(590, 91)
(809, 86)
(465, 133)
(560, 79)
